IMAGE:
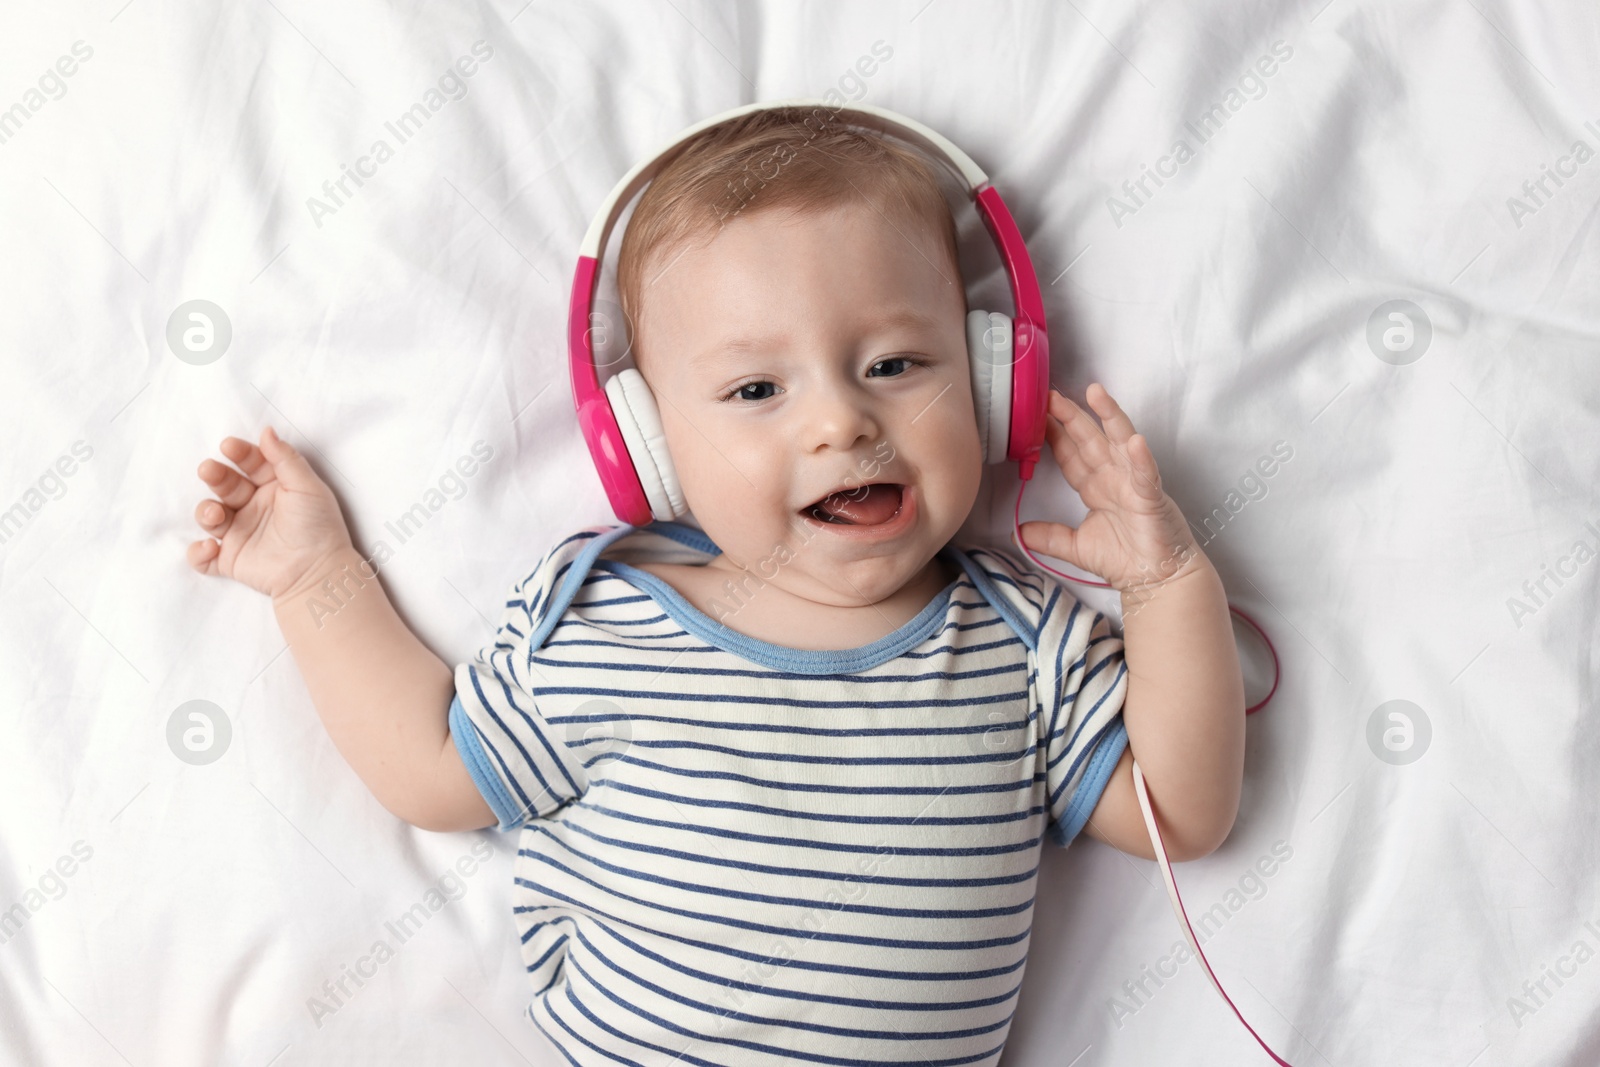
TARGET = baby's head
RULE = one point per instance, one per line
(798, 312)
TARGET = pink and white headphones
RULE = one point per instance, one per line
(1010, 363)
(1010, 355)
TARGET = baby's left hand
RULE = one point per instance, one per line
(1134, 536)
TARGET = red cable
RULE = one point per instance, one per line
(1182, 912)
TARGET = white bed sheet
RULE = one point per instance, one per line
(1227, 308)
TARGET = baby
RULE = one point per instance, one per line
(782, 777)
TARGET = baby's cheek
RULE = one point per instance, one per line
(951, 465)
(957, 439)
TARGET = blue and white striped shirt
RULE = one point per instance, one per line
(737, 853)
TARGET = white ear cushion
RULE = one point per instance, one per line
(989, 352)
(640, 423)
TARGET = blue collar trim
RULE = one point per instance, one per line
(765, 653)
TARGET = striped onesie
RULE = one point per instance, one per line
(736, 853)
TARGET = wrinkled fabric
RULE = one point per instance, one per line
(1419, 543)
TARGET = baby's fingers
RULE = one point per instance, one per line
(1118, 427)
(231, 487)
(213, 517)
(1068, 458)
(286, 464)
(1051, 538)
(1146, 475)
(1090, 442)
(202, 556)
(248, 458)
(1095, 452)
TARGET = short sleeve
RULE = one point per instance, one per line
(1085, 734)
(522, 764)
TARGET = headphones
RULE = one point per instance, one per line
(1009, 354)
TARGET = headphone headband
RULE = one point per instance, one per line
(875, 118)
(1030, 342)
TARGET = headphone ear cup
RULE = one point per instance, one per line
(990, 354)
(634, 407)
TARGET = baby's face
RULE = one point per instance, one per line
(793, 356)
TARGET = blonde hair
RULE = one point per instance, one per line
(798, 158)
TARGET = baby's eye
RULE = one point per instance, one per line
(900, 364)
(744, 392)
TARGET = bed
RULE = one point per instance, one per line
(1337, 259)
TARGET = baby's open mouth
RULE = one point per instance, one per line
(865, 505)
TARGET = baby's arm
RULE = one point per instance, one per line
(1184, 709)
(1184, 713)
(383, 696)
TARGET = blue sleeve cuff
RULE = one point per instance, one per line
(1095, 776)
(483, 774)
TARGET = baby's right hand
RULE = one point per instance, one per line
(277, 523)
